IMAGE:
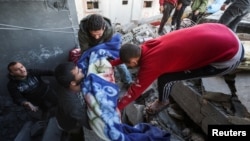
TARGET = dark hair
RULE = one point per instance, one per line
(95, 22)
(64, 75)
(11, 64)
(129, 51)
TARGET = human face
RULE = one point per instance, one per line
(97, 34)
(133, 62)
(77, 72)
(18, 70)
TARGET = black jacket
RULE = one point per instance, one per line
(72, 110)
(32, 89)
(86, 41)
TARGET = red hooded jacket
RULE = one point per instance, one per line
(181, 50)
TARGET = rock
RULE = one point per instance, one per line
(175, 112)
(217, 97)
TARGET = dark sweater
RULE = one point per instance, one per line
(86, 41)
(32, 89)
(72, 111)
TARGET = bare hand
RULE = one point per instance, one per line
(161, 8)
(179, 6)
(196, 12)
(30, 106)
(223, 7)
(119, 113)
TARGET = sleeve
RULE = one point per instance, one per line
(161, 2)
(116, 62)
(15, 94)
(41, 72)
(83, 42)
(109, 32)
(203, 5)
(144, 79)
(228, 1)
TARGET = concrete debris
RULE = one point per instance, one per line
(217, 97)
(200, 105)
(192, 108)
(139, 34)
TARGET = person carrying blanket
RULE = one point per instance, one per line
(101, 95)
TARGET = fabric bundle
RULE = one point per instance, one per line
(101, 94)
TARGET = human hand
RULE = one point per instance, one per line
(179, 6)
(119, 113)
(161, 8)
(223, 7)
(110, 58)
(196, 12)
(30, 106)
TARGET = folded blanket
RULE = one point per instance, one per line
(101, 95)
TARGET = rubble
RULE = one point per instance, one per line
(190, 111)
(214, 106)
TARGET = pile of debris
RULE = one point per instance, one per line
(194, 107)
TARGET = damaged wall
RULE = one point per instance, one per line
(35, 33)
(38, 33)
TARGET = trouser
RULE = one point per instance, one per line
(232, 16)
(176, 19)
(52, 132)
(124, 74)
(168, 7)
(196, 18)
(166, 81)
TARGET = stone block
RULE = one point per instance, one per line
(189, 100)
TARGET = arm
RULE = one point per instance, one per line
(30, 106)
(116, 62)
(41, 72)
(16, 96)
(224, 6)
(203, 6)
(229, 1)
(179, 6)
(19, 99)
(83, 42)
(161, 2)
(145, 78)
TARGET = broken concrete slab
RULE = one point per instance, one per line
(191, 102)
(218, 85)
(205, 113)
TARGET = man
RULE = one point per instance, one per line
(234, 13)
(96, 29)
(178, 13)
(198, 9)
(72, 110)
(166, 7)
(201, 51)
(27, 88)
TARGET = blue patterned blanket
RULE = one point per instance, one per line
(101, 95)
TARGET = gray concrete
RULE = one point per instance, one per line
(205, 112)
(29, 33)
